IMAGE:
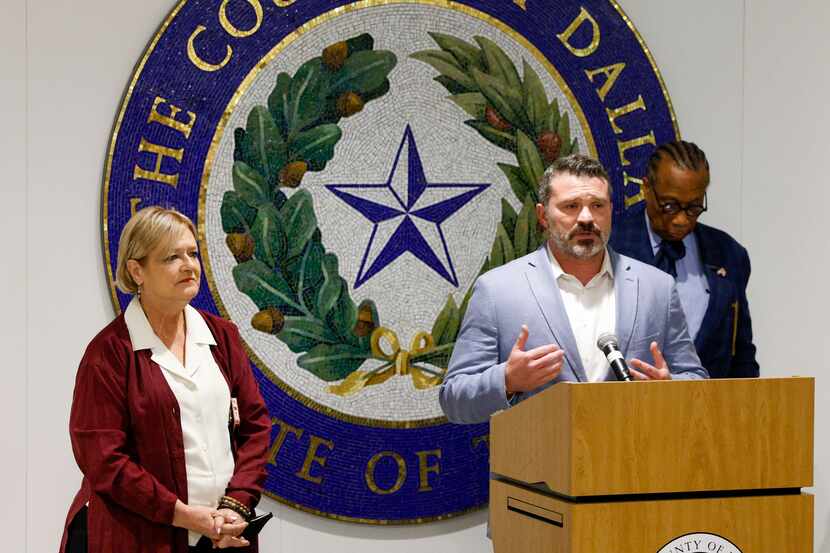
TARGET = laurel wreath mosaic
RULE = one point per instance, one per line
(283, 266)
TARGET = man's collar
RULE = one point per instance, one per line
(143, 337)
(607, 267)
(653, 237)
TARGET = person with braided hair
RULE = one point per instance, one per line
(710, 267)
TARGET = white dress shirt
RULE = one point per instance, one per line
(591, 311)
(204, 403)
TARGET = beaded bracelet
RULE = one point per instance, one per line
(227, 502)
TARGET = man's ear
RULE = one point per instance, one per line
(540, 216)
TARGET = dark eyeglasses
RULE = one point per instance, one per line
(673, 207)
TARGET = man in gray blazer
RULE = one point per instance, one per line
(535, 321)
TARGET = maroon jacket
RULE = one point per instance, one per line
(127, 439)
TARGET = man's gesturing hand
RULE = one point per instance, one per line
(527, 370)
(658, 371)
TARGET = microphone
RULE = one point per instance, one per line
(608, 343)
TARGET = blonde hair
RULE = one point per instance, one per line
(146, 230)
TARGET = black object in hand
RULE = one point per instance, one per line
(255, 525)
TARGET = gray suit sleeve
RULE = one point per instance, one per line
(474, 386)
(678, 348)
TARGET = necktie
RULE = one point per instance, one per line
(667, 255)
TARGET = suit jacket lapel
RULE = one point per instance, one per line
(626, 289)
(546, 292)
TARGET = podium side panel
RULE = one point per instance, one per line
(523, 521)
(530, 442)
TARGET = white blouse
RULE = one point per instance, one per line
(204, 403)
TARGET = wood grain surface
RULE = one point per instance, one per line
(652, 437)
(759, 524)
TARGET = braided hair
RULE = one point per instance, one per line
(686, 155)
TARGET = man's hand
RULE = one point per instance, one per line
(527, 370)
(658, 371)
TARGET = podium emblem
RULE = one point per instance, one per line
(352, 167)
(700, 543)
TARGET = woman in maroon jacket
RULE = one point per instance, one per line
(167, 422)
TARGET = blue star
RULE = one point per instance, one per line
(426, 207)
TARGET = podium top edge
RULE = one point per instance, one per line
(697, 380)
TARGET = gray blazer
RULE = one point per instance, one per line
(524, 291)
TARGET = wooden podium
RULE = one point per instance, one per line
(633, 467)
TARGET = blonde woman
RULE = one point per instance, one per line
(167, 422)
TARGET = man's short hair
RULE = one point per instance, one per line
(686, 155)
(578, 165)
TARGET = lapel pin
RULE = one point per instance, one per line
(722, 272)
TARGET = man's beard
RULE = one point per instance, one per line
(564, 241)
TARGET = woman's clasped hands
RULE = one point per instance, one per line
(222, 526)
(229, 525)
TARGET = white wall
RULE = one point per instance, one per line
(749, 82)
(785, 201)
(13, 272)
